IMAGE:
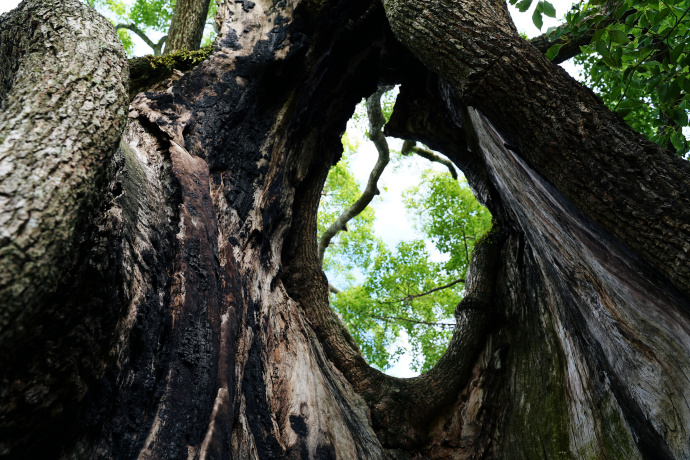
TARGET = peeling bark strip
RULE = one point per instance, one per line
(178, 307)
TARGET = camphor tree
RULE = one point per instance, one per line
(162, 291)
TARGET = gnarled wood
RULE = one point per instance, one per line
(192, 317)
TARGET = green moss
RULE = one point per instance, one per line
(180, 60)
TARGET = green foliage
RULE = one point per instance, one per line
(639, 63)
(152, 14)
(391, 291)
(543, 8)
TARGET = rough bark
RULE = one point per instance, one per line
(191, 318)
(187, 25)
(60, 121)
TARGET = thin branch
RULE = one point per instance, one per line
(395, 319)
(431, 291)
(333, 289)
(411, 147)
(410, 297)
(376, 122)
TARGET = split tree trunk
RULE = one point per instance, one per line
(187, 315)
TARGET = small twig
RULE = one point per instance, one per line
(394, 319)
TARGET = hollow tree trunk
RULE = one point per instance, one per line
(188, 316)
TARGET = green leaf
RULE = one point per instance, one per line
(548, 9)
(619, 37)
(524, 5)
(537, 19)
(676, 51)
(597, 35)
(680, 116)
(627, 106)
(678, 142)
(553, 52)
(603, 50)
(621, 11)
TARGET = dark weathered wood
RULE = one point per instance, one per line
(189, 317)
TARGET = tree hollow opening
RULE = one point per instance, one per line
(397, 223)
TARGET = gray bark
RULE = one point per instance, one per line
(60, 120)
(187, 315)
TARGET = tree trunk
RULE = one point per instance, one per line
(186, 314)
(187, 25)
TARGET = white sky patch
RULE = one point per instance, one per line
(6, 5)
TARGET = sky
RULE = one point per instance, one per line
(392, 224)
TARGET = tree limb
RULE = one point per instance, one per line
(376, 123)
(147, 71)
(411, 147)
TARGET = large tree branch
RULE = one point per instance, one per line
(146, 72)
(376, 123)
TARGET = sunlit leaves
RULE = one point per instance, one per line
(543, 8)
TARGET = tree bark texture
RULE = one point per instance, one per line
(187, 25)
(60, 121)
(188, 315)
